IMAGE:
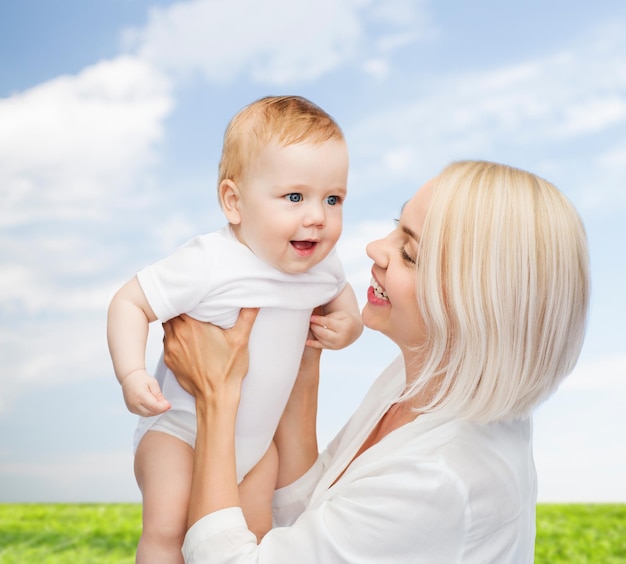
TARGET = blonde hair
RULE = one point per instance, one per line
(283, 119)
(503, 285)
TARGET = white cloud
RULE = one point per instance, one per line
(605, 185)
(401, 22)
(63, 274)
(579, 438)
(73, 152)
(579, 435)
(42, 353)
(72, 143)
(175, 230)
(532, 112)
(581, 471)
(86, 477)
(297, 41)
(378, 68)
(598, 112)
(398, 12)
(15, 280)
(603, 374)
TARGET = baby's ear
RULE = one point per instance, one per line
(229, 200)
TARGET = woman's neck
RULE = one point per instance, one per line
(413, 367)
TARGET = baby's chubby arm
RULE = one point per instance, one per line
(339, 324)
(127, 334)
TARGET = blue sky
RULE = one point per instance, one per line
(111, 118)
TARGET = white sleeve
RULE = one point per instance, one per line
(405, 512)
(177, 283)
(290, 502)
(334, 265)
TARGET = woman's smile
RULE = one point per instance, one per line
(391, 306)
(376, 295)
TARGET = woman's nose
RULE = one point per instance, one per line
(376, 250)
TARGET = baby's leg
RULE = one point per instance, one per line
(256, 491)
(163, 467)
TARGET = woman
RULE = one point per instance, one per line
(484, 287)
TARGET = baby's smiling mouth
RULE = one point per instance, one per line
(304, 249)
(303, 245)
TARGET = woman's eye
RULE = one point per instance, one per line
(332, 200)
(294, 197)
(406, 257)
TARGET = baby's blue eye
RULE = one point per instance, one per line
(332, 200)
(294, 197)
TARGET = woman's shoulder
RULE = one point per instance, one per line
(489, 449)
(494, 465)
(489, 468)
(483, 462)
(470, 442)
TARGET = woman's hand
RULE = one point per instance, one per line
(206, 359)
(211, 363)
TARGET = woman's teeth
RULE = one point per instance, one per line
(378, 291)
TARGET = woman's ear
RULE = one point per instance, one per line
(229, 200)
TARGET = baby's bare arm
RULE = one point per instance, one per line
(340, 323)
(127, 333)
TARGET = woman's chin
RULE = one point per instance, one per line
(371, 317)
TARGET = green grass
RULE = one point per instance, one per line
(69, 533)
(108, 533)
(581, 534)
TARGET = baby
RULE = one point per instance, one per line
(282, 183)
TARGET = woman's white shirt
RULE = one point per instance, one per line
(435, 490)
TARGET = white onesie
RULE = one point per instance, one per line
(210, 278)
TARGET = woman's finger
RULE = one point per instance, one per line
(245, 322)
(170, 326)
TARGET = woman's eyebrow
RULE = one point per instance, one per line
(410, 233)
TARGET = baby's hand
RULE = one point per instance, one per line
(334, 331)
(142, 394)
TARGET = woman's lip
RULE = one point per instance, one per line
(373, 299)
(372, 296)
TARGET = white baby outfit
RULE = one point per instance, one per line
(210, 278)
